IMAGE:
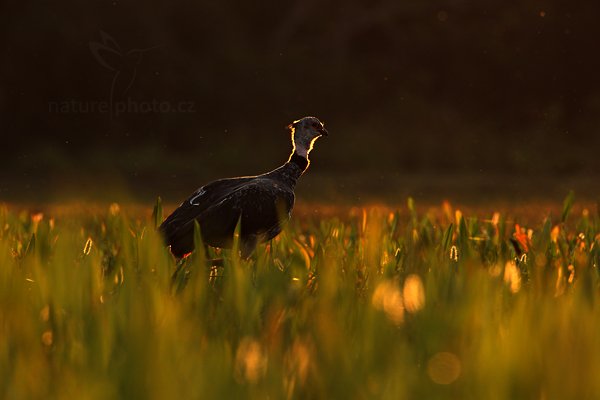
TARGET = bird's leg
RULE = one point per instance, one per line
(180, 264)
(214, 262)
(179, 279)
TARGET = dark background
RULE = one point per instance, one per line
(430, 98)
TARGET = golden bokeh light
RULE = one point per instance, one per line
(444, 368)
(413, 293)
(512, 276)
(250, 361)
(387, 297)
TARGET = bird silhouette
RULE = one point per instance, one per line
(261, 204)
(122, 64)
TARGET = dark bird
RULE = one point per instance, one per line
(261, 204)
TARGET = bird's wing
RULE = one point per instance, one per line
(265, 205)
(197, 203)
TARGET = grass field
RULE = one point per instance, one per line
(364, 303)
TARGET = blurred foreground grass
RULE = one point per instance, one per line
(375, 303)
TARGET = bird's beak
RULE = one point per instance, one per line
(323, 132)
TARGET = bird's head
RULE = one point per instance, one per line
(305, 132)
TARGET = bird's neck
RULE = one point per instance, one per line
(299, 160)
(302, 146)
(295, 165)
(292, 169)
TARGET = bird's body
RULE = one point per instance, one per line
(261, 204)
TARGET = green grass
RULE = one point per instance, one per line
(374, 303)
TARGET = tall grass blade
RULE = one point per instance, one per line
(157, 212)
(447, 238)
(567, 205)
